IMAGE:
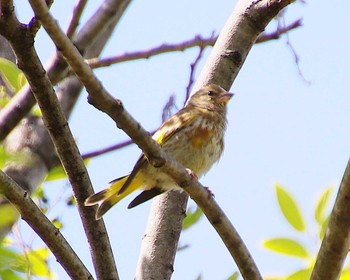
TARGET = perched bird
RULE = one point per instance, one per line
(193, 136)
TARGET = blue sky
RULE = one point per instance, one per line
(281, 129)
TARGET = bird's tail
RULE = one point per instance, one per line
(108, 197)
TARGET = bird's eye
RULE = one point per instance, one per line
(210, 93)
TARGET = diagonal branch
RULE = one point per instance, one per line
(261, 12)
(44, 228)
(335, 245)
(101, 252)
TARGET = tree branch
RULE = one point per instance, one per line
(100, 247)
(197, 41)
(21, 104)
(260, 13)
(74, 22)
(336, 242)
(51, 235)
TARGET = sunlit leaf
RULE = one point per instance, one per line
(345, 275)
(9, 259)
(36, 111)
(9, 274)
(57, 223)
(290, 208)
(8, 214)
(303, 274)
(11, 74)
(38, 262)
(58, 173)
(286, 246)
(321, 205)
(192, 218)
(234, 276)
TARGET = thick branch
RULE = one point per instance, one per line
(232, 57)
(44, 228)
(335, 245)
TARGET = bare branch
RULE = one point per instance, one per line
(164, 226)
(264, 37)
(191, 80)
(232, 59)
(336, 242)
(96, 232)
(44, 228)
(197, 41)
(23, 101)
(74, 22)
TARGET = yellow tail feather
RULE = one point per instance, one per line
(110, 196)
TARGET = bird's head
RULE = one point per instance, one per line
(211, 97)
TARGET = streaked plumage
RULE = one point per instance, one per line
(193, 136)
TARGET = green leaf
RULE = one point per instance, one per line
(11, 260)
(12, 75)
(9, 215)
(321, 206)
(286, 246)
(192, 217)
(36, 111)
(234, 276)
(37, 260)
(345, 275)
(303, 274)
(290, 208)
(57, 223)
(58, 173)
(9, 275)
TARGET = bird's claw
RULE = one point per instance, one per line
(209, 192)
(192, 174)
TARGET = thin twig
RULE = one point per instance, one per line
(74, 22)
(265, 37)
(108, 149)
(51, 235)
(191, 78)
(197, 41)
(167, 109)
(296, 56)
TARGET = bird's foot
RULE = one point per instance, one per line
(209, 192)
(192, 174)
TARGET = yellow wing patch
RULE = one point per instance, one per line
(171, 126)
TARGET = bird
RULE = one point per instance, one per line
(194, 137)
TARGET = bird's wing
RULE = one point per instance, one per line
(172, 125)
(161, 136)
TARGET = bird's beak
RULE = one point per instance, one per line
(225, 97)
